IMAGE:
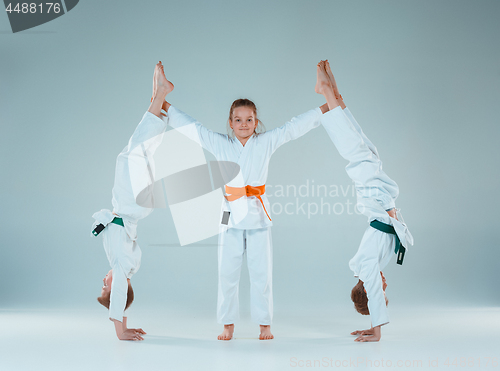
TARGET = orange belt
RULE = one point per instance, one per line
(237, 192)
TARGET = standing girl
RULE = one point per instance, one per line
(246, 219)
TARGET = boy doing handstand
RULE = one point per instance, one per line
(119, 227)
(376, 194)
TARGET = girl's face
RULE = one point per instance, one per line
(243, 122)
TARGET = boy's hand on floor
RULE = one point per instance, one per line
(130, 334)
(374, 334)
(138, 330)
(363, 332)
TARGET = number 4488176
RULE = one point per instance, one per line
(34, 8)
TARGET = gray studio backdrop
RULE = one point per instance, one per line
(421, 77)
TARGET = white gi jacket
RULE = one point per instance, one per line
(253, 159)
(376, 193)
(122, 250)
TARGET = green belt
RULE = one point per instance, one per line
(390, 229)
(100, 227)
(118, 221)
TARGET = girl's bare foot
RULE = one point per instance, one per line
(322, 79)
(265, 332)
(227, 334)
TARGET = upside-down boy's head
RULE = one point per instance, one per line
(360, 299)
(104, 299)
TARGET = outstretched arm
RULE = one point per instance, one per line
(294, 129)
(194, 130)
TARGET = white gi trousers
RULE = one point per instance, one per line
(376, 193)
(257, 245)
(122, 250)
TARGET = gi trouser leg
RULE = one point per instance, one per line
(260, 267)
(230, 257)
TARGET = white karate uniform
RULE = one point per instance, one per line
(376, 193)
(248, 229)
(122, 250)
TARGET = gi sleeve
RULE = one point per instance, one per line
(118, 296)
(293, 129)
(368, 266)
(372, 281)
(208, 139)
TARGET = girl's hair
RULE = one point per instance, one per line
(245, 103)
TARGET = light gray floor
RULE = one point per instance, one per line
(416, 338)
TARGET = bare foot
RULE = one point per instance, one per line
(332, 79)
(227, 334)
(334, 85)
(322, 80)
(163, 86)
(265, 332)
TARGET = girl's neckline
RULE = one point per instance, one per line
(246, 142)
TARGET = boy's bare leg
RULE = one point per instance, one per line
(334, 84)
(325, 87)
(154, 84)
(265, 332)
(338, 97)
(163, 87)
(227, 334)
